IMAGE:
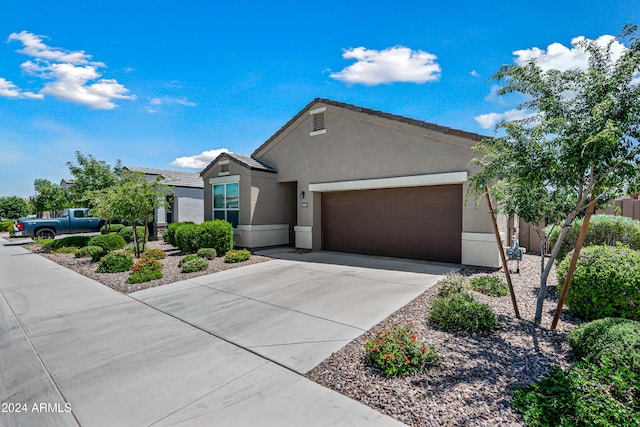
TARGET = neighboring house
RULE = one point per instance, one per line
(66, 183)
(345, 178)
(185, 204)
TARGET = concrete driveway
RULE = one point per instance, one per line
(74, 352)
(299, 309)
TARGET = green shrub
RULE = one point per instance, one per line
(44, 243)
(113, 228)
(617, 340)
(460, 312)
(146, 263)
(490, 285)
(208, 253)
(6, 226)
(155, 254)
(197, 264)
(109, 242)
(66, 242)
(115, 262)
(187, 238)
(95, 252)
(451, 283)
(238, 255)
(187, 258)
(603, 230)
(585, 395)
(144, 276)
(127, 233)
(216, 234)
(606, 283)
(396, 351)
(66, 250)
(145, 270)
(169, 235)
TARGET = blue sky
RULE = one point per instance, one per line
(168, 84)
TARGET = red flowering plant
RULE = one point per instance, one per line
(397, 351)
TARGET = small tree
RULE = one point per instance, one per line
(133, 199)
(13, 207)
(48, 196)
(579, 146)
(89, 175)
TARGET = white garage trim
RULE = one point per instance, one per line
(395, 182)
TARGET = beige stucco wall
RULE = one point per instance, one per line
(359, 146)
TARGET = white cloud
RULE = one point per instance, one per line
(10, 90)
(199, 161)
(560, 57)
(474, 73)
(489, 120)
(75, 77)
(155, 103)
(395, 64)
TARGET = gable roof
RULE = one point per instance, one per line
(246, 161)
(172, 178)
(419, 123)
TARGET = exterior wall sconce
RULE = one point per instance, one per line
(302, 194)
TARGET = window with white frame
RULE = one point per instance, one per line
(226, 202)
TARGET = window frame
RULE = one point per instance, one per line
(225, 202)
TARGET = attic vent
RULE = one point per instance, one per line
(224, 167)
(317, 117)
(318, 122)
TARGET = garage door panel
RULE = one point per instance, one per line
(416, 222)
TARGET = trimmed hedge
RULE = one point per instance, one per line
(216, 234)
(169, 235)
(95, 252)
(127, 233)
(603, 230)
(614, 339)
(606, 283)
(187, 238)
(71, 241)
(110, 242)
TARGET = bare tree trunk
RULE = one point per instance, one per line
(146, 227)
(136, 250)
(574, 262)
(547, 268)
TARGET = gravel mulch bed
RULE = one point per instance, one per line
(473, 384)
(171, 272)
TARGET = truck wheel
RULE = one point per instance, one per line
(45, 233)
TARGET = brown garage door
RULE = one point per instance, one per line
(416, 222)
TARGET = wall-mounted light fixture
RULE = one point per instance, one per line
(302, 194)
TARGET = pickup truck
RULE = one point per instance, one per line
(75, 220)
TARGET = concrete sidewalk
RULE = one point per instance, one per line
(87, 355)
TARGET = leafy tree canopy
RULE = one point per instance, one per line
(578, 144)
(90, 174)
(48, 196)
(13, 207)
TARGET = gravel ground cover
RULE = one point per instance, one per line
(473, 384)
(171, 272)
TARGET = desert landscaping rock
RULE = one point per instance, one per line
(473, 386)
(171, 272)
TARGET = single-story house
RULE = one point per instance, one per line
(345, 178)
(186, 204)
